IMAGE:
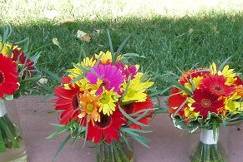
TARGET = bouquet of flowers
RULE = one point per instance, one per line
(15, 68)
(207, 98)
(104, 100)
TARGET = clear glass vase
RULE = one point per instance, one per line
(12, 148)
(115, 152)
(209, 148)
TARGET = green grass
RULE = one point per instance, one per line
(167, 43)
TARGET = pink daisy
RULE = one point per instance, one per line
(110, 75)
(127, 71)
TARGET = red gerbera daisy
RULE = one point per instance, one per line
(206, 102)
(67, 101)
(192, 74)
(175, 100)
(139, 108)
(19, 56)
(8, 76)
(108, 129)
(216, 85)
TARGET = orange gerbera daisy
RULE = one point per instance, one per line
(89, 105)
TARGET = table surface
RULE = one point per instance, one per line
(167, 144)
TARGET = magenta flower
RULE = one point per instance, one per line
(110, 75)
(127, 71)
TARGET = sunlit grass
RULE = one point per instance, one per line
(20, 11)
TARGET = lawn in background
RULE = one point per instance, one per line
(168, 43)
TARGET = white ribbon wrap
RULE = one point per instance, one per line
(3, 110)
(209, 137)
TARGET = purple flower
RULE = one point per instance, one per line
(127, 71)
(110, 75)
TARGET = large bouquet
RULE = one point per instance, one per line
(104, 100)
(15, 68)
(207, 98)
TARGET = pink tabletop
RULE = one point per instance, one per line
(167, 144)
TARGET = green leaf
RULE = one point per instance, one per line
(224, 63)
(86, 133)
(186, 90)
(144, 114)
(126, 142)
(138, 130)
(160, 92)
(79, 77)
(2, 143)
(142, 111)
(11, 138)
(130, 118)
(160, 110)
(123, 44)
(58, 125)
(35, 78)
(26, 45)
(35, 57)
(110, 41)
(9, 97)
(57, 132)
(7, 31)
(134, 134)
(51, 75)
(23, 41)
(61, 146)
(133, 55)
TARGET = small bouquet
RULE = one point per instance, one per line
(15, 68)
(105, 101)
(206, 98)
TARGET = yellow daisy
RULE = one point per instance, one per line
(104, 57)
(108, 102)
(232, 105)
(194, 84)
(135, 89)
(5, 48)
(226, 72)
(77, 70)
(190, 113)
(88, 62)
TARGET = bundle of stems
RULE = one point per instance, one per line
(9, 134)
(208, 153)
(115, 152)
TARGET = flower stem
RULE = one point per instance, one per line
(9, 134)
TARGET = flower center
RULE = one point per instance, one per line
(218, 89)
(206, 103)
(75, 102)
(89, 108)
(2, 78)
(105, 121)
(106, 99)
